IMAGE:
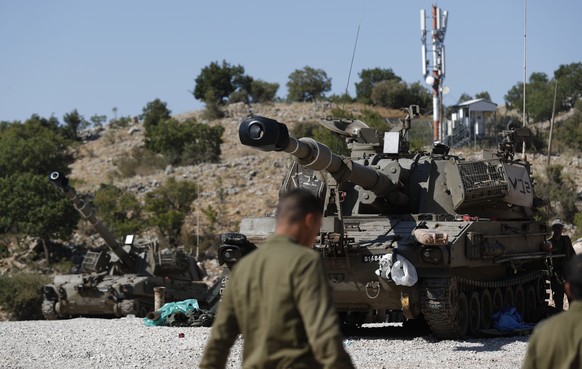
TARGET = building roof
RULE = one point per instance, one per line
(477, 105)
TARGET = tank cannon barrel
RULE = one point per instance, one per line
(61, 182)
(269, 135)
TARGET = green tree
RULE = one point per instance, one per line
(98, 120)
(483, 95)
(118, 209)
(33, 207)
(185, 143)
(539, 97)
(569, 77)
(213, 109)
(153, 113)
(390, 94)
(369, 78)
(419, 95)
(262, 92)
(74, 121)
(558, 187)
(222, 80)
(202, 143)
(307, 84)
(569, 134)
(169, 205)
(464, 97)
(33, 147)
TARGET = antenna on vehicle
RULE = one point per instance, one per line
(353, 55)
(524, 69)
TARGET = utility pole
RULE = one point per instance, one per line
(552, 124)
(437, 64)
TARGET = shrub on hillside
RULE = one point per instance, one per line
(21, 296)
(169, 205)
(569, 133)
(118, 209)
(557, 188)
(182, 143)
(140, 161)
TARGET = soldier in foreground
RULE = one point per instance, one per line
(279, 299)
(556, 342)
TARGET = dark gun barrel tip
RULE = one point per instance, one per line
(58, 179)
(256, 131)
(263, 134)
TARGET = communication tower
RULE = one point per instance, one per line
(436, 63)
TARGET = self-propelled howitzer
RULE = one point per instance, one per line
(424, 234)
(120, 280)
(127, 262)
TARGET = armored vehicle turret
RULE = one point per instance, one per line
(426, 235)
(120, 279)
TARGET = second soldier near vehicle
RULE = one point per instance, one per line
(560, 245)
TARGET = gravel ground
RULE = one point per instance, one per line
(128, 343)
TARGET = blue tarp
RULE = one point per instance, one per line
(508, 320)
(171, 308)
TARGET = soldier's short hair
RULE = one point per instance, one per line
(574, 276)
(294, 205)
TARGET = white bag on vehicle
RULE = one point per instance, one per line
(403, 272)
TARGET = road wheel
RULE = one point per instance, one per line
(497, 300)
(508, 298)
(474, 314)
(462, 313)
(519, 301)
(486, 309)
(531, 304)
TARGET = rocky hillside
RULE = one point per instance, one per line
(244, 183)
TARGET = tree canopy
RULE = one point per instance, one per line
(169, 205)
(569, 79)
(33, 207)
(539, 97)
(36, 146)
(396, 94)
(118, 209)
(182, 143)
(308, 84)
(540, 92)
(216, 82)
(483, 95)
(369, 78)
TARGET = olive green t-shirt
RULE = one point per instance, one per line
(279, 299)
(556, 343)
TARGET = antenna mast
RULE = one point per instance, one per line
(439, 28)
(524, 70)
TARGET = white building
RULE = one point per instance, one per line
(471, 122)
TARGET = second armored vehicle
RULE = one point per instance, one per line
(120, 281)
(425, 234)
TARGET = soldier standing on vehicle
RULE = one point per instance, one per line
(279, 299)
(556, 342)
(560, 245)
